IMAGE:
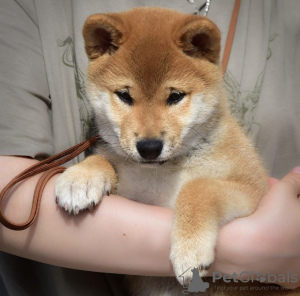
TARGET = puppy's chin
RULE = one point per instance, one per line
(153, 163)
(150, 163)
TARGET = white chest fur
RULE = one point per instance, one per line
(156, 185)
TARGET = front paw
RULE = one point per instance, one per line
(83, 185)
(189, 253)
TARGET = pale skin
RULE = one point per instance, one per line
(122, 236)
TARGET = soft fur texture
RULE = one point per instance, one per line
(207, 169)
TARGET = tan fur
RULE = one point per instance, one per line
(207, 171)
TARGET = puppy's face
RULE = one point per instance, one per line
(153, 81)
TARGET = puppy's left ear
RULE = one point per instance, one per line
(200, 37)
(103, 34)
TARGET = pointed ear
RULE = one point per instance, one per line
(102, 34)
(200, 37)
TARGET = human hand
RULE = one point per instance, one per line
(268, 241)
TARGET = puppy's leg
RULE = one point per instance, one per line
(82, 185)
(202, 206)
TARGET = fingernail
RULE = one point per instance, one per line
(296, 170)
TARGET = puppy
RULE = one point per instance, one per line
(155, 87)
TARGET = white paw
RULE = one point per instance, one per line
(194, 253)
(80, 188)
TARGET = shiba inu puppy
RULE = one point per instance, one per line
(155, 87)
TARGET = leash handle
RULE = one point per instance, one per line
(49, 167)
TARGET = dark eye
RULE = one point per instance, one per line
(175, 97)
(125, 97)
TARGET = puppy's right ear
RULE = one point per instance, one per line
(102, 34)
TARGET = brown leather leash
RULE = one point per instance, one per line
(52, 165)
(230, 36)
(49, 167)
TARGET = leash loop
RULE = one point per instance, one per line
(49, 167)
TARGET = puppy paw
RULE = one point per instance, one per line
(82, 186)
(187, 254)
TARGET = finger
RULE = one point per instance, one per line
(272, 181)
(296, 170)
(292, 179)
(280, 193)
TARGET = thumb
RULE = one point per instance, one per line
(272, 181)
(292, 179)
(288, 188)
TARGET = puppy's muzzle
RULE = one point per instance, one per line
(149, 149)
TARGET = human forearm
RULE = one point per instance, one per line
(120, 236)
(123, 236)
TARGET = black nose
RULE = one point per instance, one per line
(149, 148)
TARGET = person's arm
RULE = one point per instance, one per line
(119, 236)
(25, 112)
(123, 236)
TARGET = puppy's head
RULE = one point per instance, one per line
(154, 81)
